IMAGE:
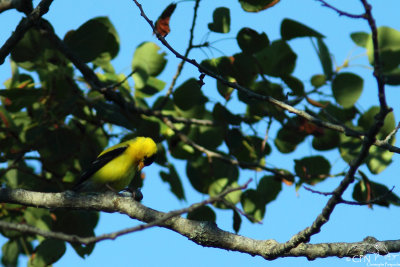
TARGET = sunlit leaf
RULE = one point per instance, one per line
(257, 5)
(220, 186)
(389, 48)
(253, 205)
(148, 58)
(347, 88)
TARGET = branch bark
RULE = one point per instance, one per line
(203, 233)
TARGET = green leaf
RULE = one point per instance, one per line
(360, 38)
(294, 84)
(260, 108)
(366, 190)
(203, 214)
(312, 169)
(237, 221)
(347, 88)
(325, 58)
(221, 20)
(245, 69)
(48, 252)
(95, 39)
(392, 77)
(148, 58)
(277, 60)
(349, 147)
(368, 118)
(10, 253)
(223, 115)
(251, 41)
(80, 223)
(189, 94)
(209, 137)
(219, 65)
(328, 140)
(268, 188)
(389, 48)
(257, 5)
(112, 113)
(246, 148)
(202, 173)
(291, 29)
(150, 86)
(253, 205)
(318, 80)
(289, 136)
(20, 98)
(378, 159)
(174, 182)
(221, 185)
(35, 51)
(39, 218)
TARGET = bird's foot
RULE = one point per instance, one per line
(135, 194)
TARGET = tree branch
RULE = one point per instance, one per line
(203, 233)
(24, 25)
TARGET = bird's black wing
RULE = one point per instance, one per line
(99, 163)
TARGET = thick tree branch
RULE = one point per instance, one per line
(24, 25)
(202, 233)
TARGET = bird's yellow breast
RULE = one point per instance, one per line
(119, 172)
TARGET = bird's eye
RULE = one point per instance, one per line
(147, 161)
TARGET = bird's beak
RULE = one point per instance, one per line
(140, 166)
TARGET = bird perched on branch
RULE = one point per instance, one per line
(116, 166)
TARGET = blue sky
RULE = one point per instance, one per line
(292, 211)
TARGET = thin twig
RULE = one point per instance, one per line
(340, 12)
(372, 201)
(317, 192)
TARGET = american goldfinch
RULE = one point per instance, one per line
(116, 166)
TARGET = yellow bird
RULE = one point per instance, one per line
(116, 166)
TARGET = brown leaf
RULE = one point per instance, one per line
(162, 24)
(316, 103)
(271, 4)
(310, 128)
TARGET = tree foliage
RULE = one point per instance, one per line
(65, 101)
